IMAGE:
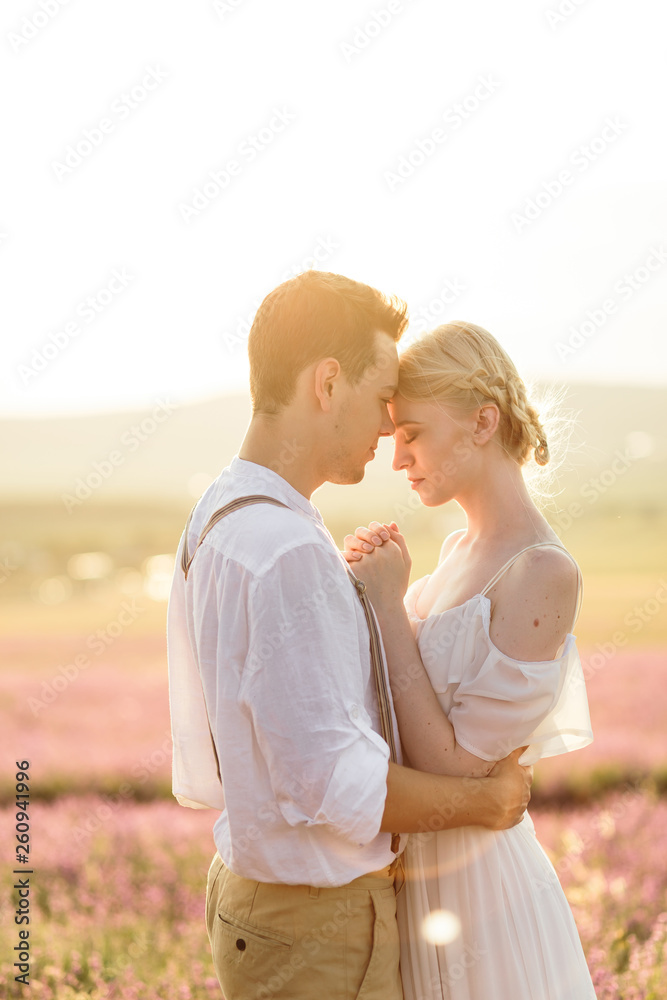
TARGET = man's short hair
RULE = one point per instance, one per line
(314, 316)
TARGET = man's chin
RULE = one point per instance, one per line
(347, 477)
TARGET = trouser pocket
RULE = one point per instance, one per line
(382, 978)
(247, 952)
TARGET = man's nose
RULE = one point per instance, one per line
(387, 428)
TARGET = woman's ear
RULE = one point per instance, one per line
(487, 419)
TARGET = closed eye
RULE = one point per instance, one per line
(408, 440)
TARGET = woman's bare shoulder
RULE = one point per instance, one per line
(535, 604)
(449, 543)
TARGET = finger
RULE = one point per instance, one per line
(368, 535)
(380, 529)
(352, 556)
(397, 537)
(354, 544)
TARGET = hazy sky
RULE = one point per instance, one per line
(501, 163)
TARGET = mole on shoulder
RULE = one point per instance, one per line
(536, 622)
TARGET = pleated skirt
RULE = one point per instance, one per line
(483, 915)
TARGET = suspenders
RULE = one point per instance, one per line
(213, 520)
(376, 654)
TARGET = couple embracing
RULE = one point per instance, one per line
(368, 743)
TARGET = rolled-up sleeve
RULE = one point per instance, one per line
(303, 684)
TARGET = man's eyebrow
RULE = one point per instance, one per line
(389, 388)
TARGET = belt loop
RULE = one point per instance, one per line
(313, 891)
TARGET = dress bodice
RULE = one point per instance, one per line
(495, 702)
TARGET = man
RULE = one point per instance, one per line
(269, 646)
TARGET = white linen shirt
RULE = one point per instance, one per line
(269, 633)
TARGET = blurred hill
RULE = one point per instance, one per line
(169, 454)
(93, 507)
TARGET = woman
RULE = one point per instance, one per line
(481, 660)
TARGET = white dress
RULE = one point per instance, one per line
(514, 937)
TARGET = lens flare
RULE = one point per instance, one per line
(441, 927)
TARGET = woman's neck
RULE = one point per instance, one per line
(499, 506)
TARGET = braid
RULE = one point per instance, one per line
(464, 365)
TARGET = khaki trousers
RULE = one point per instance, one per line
(296, 942)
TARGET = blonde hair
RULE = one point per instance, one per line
(464, 366)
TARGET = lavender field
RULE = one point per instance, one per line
(119, 911)
(120, 869)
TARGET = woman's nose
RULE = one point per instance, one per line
(401, 459)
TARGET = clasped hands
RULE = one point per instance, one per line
(379, 556)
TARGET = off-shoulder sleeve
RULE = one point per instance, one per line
(509, 703)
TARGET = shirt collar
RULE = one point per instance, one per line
(276, 484)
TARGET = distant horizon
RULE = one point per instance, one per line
(55, 413)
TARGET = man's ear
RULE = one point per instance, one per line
(487, 419)
(327, 375)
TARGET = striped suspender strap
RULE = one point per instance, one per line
(213, 520)
(380, 678)
(360, 587)
(187, 562)
(380, 682)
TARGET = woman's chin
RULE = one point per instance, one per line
(431, 496)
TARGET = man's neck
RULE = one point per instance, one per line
(281, 445)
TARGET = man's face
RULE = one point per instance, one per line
(362, 417)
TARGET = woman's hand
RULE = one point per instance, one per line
(379, 556)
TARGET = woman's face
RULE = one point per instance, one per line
(433, 443)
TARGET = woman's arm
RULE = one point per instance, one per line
(426, 733)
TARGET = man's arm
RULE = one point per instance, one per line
(418, 801)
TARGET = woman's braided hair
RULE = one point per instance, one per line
(462, 365)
